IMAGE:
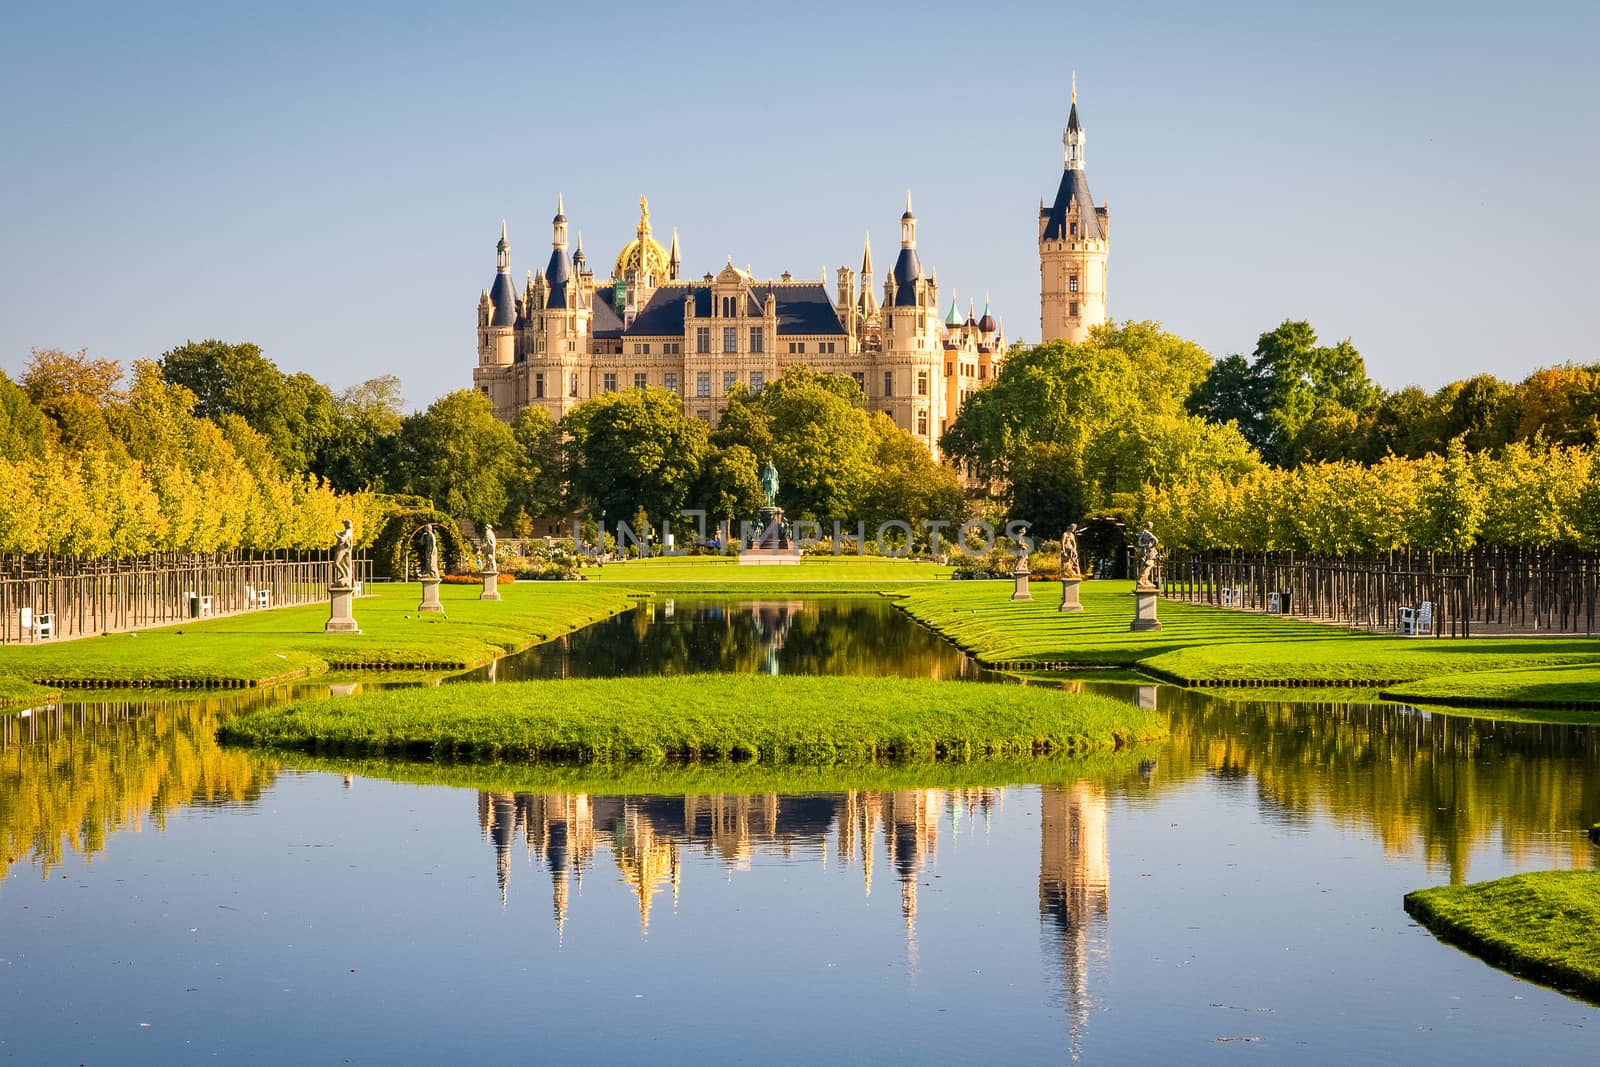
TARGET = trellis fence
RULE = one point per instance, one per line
(1487, 590)
(84, 597)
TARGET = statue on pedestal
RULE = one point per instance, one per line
(769, 484)
(343, 556)
(1070, 566)
(491, 558)
(429, 567)
(1149, 555)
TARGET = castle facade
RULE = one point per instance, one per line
(569, 336)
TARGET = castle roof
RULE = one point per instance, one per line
(504, 298)
(1074, 190)
(604, 322)
(803, 308)
(907, 269)
(556, 272)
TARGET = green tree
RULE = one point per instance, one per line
(459, 456)
(907, 485)
(77, 394)
(1483, 411)
(295, 412)
(820, 443)
(730, 484)
(634, 449)
(23, 428)
(359, 450)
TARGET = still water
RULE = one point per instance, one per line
(1232, 892)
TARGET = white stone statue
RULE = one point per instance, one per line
(430, 552)
(1149, 555)
(343, 557)
(490, 549)
(1070, 566)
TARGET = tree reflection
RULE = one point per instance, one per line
(72, 775)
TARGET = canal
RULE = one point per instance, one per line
(1232, 891)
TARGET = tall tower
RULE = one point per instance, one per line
(1073, 242)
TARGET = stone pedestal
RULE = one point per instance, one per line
(1069, 594)
(341, 611)
(1144, 614)
(1021, 591)
(491, 585)
(430, 596)
(1147, 697)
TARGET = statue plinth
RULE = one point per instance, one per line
(1069, 594)
(491, 585)
(341, 611)
(1144, 615)
(771, 532)
(430, 595)
(1021, 575)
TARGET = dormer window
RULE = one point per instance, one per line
(730, 306)
(1072, 228)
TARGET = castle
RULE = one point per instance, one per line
(569, 337)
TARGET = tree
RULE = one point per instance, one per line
(77, 394)
(730, 484)
(634, 449)
(458, 455)
(1482, 411)
(907, 485)
(23, 430)
(1561, 404)
(1288, 383)
(535, 485)
(295, 412)
(819, 443)
(359, 450)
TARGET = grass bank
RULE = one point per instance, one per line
(1540, 926)
(1571, 688)
(21, 693)
(281, 644)
(725, 570)
(701, 779)
(711, 717)
(1205, 646)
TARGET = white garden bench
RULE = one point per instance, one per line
(36, 626)
(1417, 621)
(200, 605)
(257, 598)
(1233, 598)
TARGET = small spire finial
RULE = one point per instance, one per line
(1074, 87)
(502, 229)
(908, 201)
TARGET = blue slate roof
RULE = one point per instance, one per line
(1074, 188)
(906, 269)
(504, 298)
(556, 272)
(603, 322)
(804, 308)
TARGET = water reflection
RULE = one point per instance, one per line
(678, 636)
(72, 775)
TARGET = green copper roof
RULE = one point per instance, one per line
(954, 318)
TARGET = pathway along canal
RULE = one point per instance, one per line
(167, 900)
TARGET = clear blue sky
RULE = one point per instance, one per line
(330, 184)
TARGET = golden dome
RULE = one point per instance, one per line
(644, 253)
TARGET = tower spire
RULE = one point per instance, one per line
(908, 225)
(1072, 139)
(674, 260)
(866, 259)
(502, 251)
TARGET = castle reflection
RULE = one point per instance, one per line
(646, 838)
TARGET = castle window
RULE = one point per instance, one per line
(609, 382)
(702, 383)
(802, 348)
(572, 384)
(828, 347)
(702, 339)
(861, 379)
(949, 368)
(538, 386)
(922, 390)
(1072, 310)
(1072, 284)
(888, 383)
(758, 381)
(669, 380)
(922, 423)
(485, 389)
(640, 379)
(703, 415)
(791, 348)
(983, 371)
(729, 380)
(1073, 229)
(730, 306)
(757, 339)
(730, 339)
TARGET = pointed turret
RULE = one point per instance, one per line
(674, 258)
(1072, 247)
(559, 270)
(986, 325)
(953, 319)
(502, 293)
(869, 300)
(907, 268)
(579, 260)
(972, 320)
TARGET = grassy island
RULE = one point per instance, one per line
(1540, 926)
(713, 717)
(1575, 688)
(263, 647)
(1206, 646)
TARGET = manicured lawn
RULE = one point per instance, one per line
(726, 569)
(289, 642)
(713, 717)
(1201, 645)
(1541, 925)
(1552, 687)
